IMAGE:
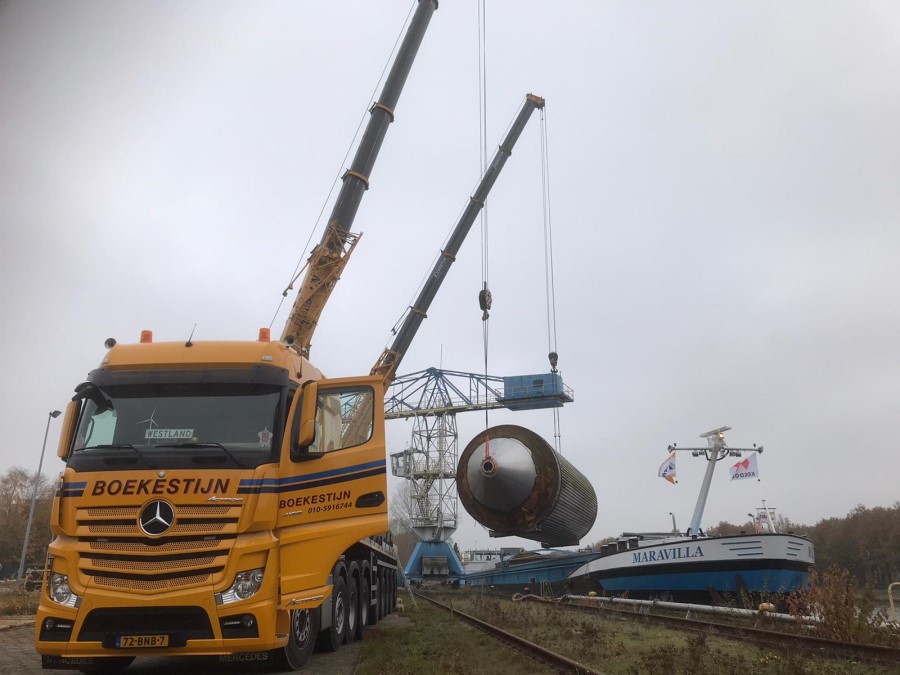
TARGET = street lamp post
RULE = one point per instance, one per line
(37, 480)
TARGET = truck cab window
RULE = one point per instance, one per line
(344, 419)
(99, 428)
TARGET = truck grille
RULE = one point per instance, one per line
(151, 585)
(148, 565)
(140, 547)
(116, 553)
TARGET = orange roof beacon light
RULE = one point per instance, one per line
(146, 336)
(264, 335)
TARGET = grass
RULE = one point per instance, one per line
(847, 612)
(17, 602)
(620, 647)
(435, 642)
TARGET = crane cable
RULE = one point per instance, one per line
(484, 296)
(548, 267)
(300, 266)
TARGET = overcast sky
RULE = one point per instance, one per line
(725, 187)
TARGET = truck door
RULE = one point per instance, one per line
(333, 489)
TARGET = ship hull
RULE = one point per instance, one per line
(702, 569)
(531, 576)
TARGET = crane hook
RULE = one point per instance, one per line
(484, 302)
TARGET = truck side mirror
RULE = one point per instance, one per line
(68, 429)
(307, 433)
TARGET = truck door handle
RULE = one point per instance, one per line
(370, 500)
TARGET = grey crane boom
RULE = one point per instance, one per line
(387, 364)
(328, 259)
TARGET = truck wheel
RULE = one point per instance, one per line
(365, 600)
(352, 609)
(379, 596)
(333, 637)
(301, 640)
(114, 664)
(394, 592)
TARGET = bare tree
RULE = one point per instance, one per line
(16, 487)
(399, 511)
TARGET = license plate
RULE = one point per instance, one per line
(141, 641)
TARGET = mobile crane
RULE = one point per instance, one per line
(204, 508)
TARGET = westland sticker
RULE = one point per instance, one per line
(167, 434)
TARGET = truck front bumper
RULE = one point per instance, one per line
(186, 623)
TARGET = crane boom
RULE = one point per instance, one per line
(388, 362)
(328, 259)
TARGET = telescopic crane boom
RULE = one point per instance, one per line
(389, 361)
(327, 260)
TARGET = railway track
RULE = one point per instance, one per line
(877, 654)
(763, 637)
(554, 661)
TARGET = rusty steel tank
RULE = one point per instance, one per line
(514, 483)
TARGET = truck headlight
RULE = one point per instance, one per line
(60, 591)
(245, 585)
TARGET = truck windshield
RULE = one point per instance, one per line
(234, 418)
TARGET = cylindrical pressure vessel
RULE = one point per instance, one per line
(514, 483)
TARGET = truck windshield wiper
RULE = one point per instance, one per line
(121, 446)
(207, 445)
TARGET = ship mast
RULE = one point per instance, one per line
(716, 450)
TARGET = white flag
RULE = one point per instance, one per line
(746, 468)
(667, 469)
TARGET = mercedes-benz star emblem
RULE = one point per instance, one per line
(156, 518)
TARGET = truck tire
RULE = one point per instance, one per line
(393, 592)
(379, 595)
(331, 638)
(365, 606)
(301, 640)
(352, 608)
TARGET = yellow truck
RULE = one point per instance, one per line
(224, 498)
(219, 498)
